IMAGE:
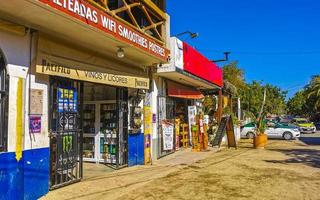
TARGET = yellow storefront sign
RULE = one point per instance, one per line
(92, 76)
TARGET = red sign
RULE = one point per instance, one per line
(90, 15)
(198, 65)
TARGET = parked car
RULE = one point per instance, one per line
(285, 121)
(305, 126)
(317, 124)
(278, 130)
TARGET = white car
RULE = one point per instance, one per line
(276, 131)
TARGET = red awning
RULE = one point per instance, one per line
(181, 91)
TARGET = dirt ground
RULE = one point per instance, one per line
(284, 170)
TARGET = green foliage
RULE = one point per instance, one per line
(227, 111)
(209, 104)
(275, 103)
(261, 126)
(253, 96)
(296, 104)
(307, 101)
(233, 78)
(313, 91)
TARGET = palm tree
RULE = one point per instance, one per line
(313, 90)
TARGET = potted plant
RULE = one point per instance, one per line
(260, 139)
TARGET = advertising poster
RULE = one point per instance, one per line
(67, 100)
(35, 124)
(167, 132)
(147, 133)
(147, 115)
(147, 150)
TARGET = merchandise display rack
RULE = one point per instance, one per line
(100, 131)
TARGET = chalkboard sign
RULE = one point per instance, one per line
(225, 126)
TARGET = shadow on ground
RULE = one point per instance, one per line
(309, 157)
(310, 140)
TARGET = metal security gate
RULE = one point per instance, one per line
(166, 112)
(65, 132)
(122, 107)
(4, 89)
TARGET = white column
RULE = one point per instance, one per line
(15, 73)
(239, 109)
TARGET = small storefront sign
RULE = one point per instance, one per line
(35, 124)
(167, 132)
(55, 69)
(154, 118)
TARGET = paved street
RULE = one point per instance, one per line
(311, 139)
(284, 170)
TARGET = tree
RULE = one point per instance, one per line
(275, 103)
(233, 77)
(312, 92)
(253, 96)
(296, 104)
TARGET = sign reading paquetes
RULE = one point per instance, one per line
(91, 76)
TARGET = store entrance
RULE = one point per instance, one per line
(105, 125)
(174, 124)
(88, 123)
(65, 132)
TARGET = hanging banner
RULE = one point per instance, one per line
(54, 69)
(167, 135)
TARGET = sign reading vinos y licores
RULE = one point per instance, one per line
(84, 11)
(53, 69)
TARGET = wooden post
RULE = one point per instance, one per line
(231, 108)
(220, 102)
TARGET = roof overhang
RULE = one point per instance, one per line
(186, 78)
(42, 15)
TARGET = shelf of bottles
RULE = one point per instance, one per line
(89, 130)
(109, 140)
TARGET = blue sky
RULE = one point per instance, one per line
(277, 41)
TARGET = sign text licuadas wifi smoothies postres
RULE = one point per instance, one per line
(87, 13)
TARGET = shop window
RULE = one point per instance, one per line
(4, 80)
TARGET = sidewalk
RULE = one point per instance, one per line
(100, 180)
(284, 170)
